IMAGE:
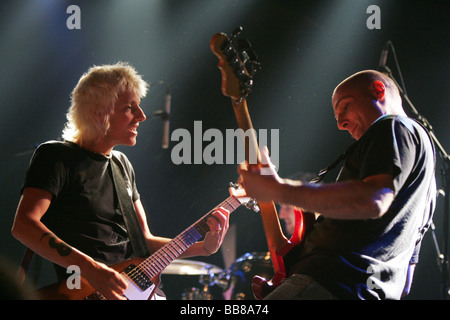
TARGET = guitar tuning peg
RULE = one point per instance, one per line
(244, 56)
(245, 93)
(237, 66)
(243, 44)
(231, 57)
(245, 81)
(252, 67)
(236, 32)
(252, 55)
(252, 205)
(234, 185)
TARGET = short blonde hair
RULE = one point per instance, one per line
(93, 99)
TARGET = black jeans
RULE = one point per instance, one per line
(300, 287)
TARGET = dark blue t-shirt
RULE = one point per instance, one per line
(368, 259)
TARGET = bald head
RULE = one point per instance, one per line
(364, 81)
(361, 99)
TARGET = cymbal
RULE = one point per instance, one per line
(190, 267)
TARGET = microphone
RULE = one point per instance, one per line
(166, 118)
(383, 58)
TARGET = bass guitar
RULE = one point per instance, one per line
(237, 63)
(143, 275)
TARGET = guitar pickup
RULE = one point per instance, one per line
(138, 277)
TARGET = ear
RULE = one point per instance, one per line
(378, 89)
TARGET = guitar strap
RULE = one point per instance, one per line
(323, 172)
(137, 239)
(124, 196)
(24, 265)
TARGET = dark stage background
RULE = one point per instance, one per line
(305, 48)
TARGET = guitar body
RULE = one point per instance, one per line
(143, 275)
(61, 291)
(261, 286)
(237, 69)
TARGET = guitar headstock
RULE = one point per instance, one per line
(241, 195)
(237, 62)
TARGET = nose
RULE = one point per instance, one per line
(342, 123)
(140, 115)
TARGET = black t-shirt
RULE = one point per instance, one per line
(368, 259)
(84, 211)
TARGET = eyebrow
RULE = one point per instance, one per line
(337, 103)
(133, 102)
(344, 97)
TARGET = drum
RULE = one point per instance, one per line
(244, 269)
(196, 294)
(189, 280)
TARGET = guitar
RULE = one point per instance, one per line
(237, 65)
(143, 275)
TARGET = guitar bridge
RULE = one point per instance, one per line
(138, 277)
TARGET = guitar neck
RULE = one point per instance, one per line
(237, 64)
(252, 154)
(275, 237)
(157, 262)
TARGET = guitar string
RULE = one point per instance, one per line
(186, 240)
(161, 260)
(135, 271)
(156, 264)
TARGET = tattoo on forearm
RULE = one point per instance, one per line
(61, 247)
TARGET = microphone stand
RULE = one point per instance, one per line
(442, 256)
(165, 115)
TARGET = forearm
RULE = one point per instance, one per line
(29, 229)
(155, 243)
(43, 242)
(343, 200)
(39, 239)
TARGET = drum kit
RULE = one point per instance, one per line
(214, 283)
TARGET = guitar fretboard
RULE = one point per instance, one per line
(158, 261)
